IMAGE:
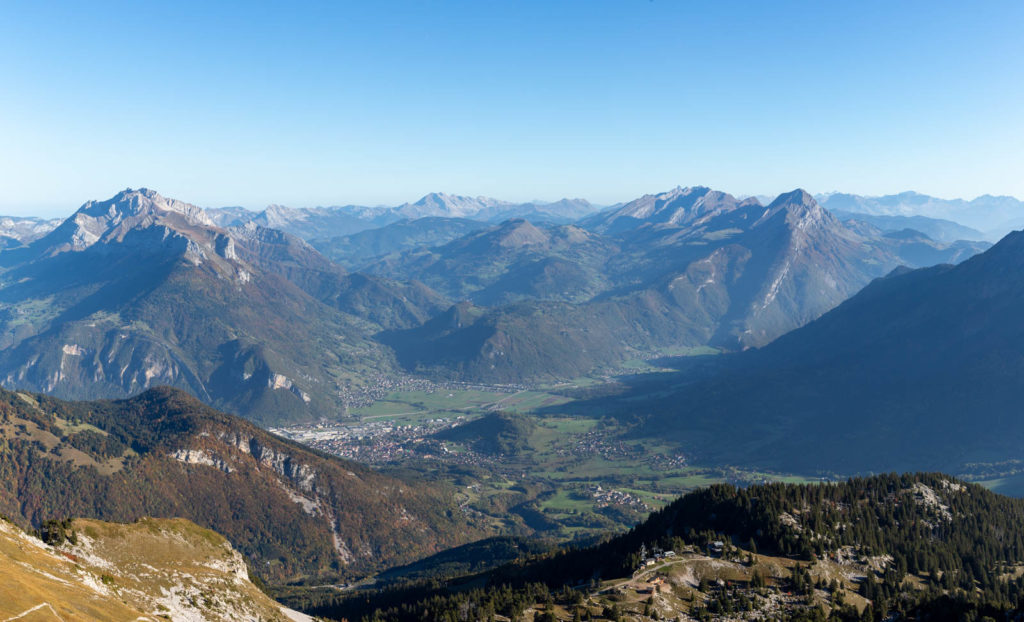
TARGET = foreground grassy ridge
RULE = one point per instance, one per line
(148, 570)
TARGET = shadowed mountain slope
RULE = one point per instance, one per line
(361, 248)
(922, 369)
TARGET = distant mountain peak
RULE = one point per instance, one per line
(519, 232)
(442, 204)
(140, 202)
(114, 218)
(678, 206)
(802, 212)
(795, 197)
(798, 202)
(432, 198)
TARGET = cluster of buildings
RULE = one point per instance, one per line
(380, 386)
(373, 442)
(598, 443)
(605, 497)
(655, 557)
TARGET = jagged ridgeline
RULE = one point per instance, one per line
(903, 543)
(295, 513)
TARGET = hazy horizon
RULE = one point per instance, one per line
(63, 211)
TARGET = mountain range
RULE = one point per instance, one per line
(141, 290)
(324, 223)
(986, 217)
(686, 268)
(851, 340)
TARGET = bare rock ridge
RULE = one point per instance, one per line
(680, 206)
(104, 221)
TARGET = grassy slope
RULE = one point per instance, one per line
(147, 570)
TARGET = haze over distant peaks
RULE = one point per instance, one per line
(993, 215)
(18, 230)
(328, 222)
(441, 204)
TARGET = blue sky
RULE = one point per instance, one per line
(318, 103)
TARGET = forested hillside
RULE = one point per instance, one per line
(294, 513)
(884, 547)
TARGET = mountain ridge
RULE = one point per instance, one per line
(992, 214)
(292, 511)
